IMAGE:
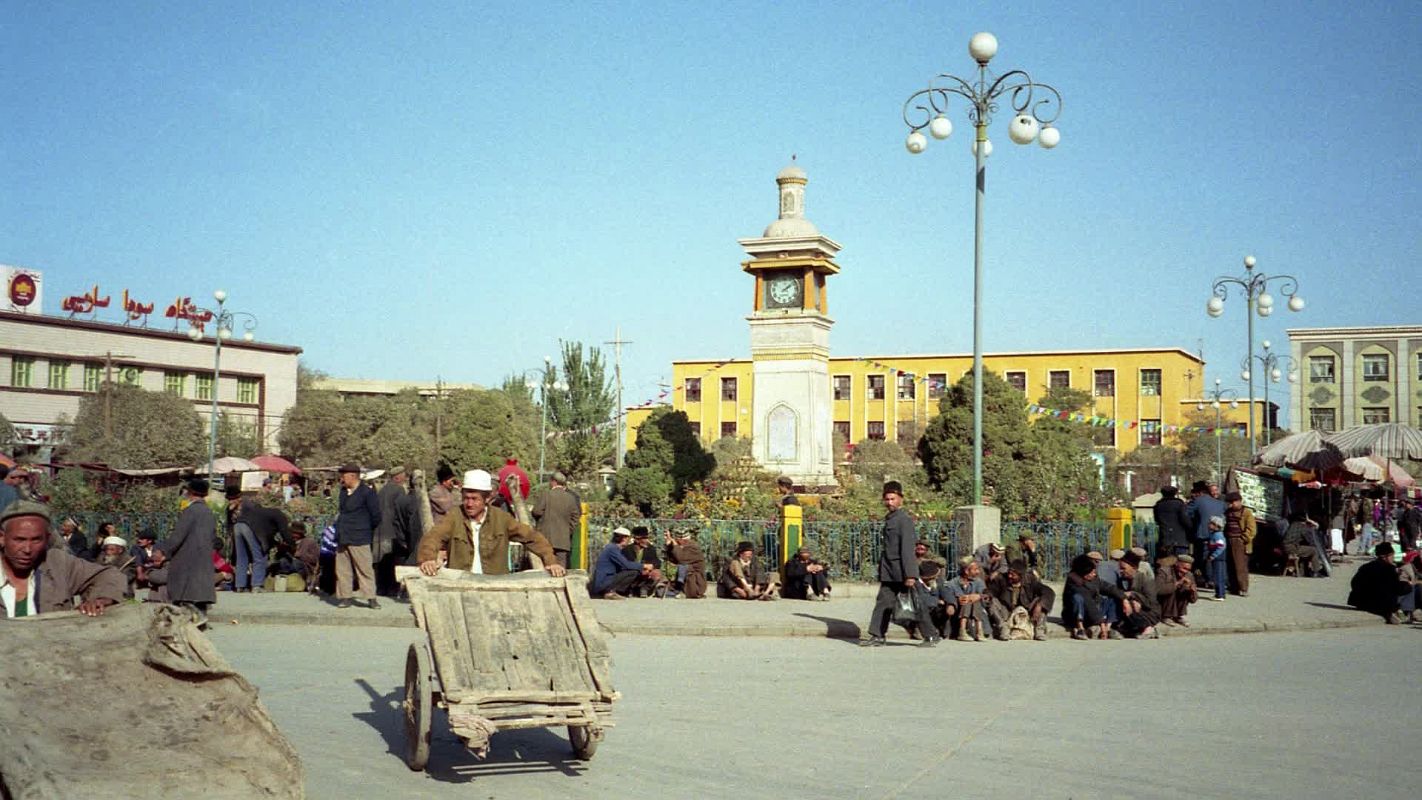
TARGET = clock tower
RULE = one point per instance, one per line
(789, 326)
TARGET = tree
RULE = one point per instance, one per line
(1200, 448)
(667, 446)
(307, 376)
(315, 431)
(145, 429)
(485, 427)
(7, 432)
(875, 461)
(580, 418)
(236, 438)
(324, 429)
(1043, 470)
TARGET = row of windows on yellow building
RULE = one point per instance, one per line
(893, 397)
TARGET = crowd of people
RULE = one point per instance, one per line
(1203, 552)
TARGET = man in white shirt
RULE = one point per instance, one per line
(35, 579)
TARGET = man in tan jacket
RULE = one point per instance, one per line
(493, 529)
(37, 580)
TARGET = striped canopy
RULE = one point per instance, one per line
(1308, 450)
(1392, 440)
(1379, 470)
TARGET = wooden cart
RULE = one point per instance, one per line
(505, 652)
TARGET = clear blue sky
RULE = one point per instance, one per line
(422, 189)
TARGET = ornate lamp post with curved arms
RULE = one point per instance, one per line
(223, 321)
(1270, 362)
(1217, 398)
(1255, 286)
(1035, 107)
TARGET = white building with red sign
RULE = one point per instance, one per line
(48, 364)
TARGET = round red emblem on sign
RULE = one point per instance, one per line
(22, 290)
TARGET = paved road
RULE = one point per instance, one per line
(1270, 715)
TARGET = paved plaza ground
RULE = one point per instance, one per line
(1299, 715)
(775, 700)
(1274, 604)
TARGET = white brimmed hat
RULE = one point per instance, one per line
(478, 480)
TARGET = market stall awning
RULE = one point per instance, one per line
(275, 463)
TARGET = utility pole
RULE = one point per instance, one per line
(107, 389)
(617, 371)
(439, 414)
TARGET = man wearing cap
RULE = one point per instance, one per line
(190, 551)
(142, 549)
(785, 488)
(743, 579)
(1378, 588)
(616, 576)
(806, 578)
(1020, 588)
(685, 553)
(113, 552)
(1240, 529)
(1024, 550)
(391, 542)
(355, 529)
(1173, 523)
(477, 538)
(444, 498)
(989, 558)
(1202, 506)
(1175, 589)
(641, 550)
(35, 579)
(898, 569)
(558, 513)
(71, 539)
(248, 554)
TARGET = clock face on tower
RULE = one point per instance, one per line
(784, 291)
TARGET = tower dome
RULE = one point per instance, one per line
(791, 223)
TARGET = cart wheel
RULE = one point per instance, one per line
(583, 740)
(418, 707)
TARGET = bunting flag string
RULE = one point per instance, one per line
(1148, 426)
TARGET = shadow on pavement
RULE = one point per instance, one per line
(835, 628)
(518, 752)
(1333, 605)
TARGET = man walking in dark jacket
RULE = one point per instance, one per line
(355, 528)
(189, 551)
(898, 570)
(391, 543)
(1172, 522)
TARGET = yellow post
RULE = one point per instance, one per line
(578, 554)
(792, 525)
(1122, 530)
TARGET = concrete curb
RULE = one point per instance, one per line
(827, 628)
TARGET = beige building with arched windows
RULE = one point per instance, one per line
(1356, 376)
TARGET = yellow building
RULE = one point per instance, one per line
(805, 398)
(893, 397)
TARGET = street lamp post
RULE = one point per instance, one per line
(543, 386)
(1270, 362)
(1217, 397)
(223, 320)
(1035, 107)
(1255, 287)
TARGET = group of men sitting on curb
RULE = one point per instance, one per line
(630, 566)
